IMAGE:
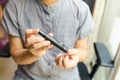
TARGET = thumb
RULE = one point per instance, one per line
(70, 51)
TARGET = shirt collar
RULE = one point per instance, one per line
(51, 8)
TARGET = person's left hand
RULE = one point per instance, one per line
(69, 59)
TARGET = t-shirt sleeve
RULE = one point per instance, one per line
(9, 19)
(85, 21)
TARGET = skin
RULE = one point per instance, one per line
(2, 33)
(73, 56)
(29, 54)
(49, 2)
(36, 47)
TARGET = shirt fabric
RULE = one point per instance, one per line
(68, 20)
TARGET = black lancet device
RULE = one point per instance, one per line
(58, 44)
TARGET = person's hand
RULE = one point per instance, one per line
(69, 59)
(37, 45)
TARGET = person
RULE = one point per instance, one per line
(68, 21)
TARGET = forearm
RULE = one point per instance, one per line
(23, 56)
(82, 54)
(82, 47)
(36, 47)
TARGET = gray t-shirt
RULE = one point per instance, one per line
(68, 20)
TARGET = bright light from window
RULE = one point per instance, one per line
(115, 36)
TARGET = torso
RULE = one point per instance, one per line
(61, 19)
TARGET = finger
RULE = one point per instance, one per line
(65, 61)
(60, 64)
(51, 34)
(57, 58)
(30, 32)
(72, 51)
(28, 41)
(34, 39)
(49, 47)
(58, 55)
(39, 39)
(41, 45)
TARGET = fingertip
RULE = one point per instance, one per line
(51, 34)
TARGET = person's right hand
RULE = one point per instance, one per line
(37, 45)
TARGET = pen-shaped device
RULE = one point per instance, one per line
(58, 44)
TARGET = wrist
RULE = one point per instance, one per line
(82, 53)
